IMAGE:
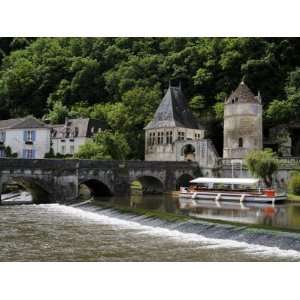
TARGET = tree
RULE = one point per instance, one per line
(106, 145)
(263, 164)
(58, 113)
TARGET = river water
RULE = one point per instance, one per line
(53, 232)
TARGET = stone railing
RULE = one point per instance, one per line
(289, 162)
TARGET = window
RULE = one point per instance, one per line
(72, 148)
(240, 142)
(2, 152)
(63, 149)
(29, 153)
(158, 138)
(169, 137)
(2, 137)
(67, 132)
(76, 131)
(197, 136)
(151, 138)
(180, 135)
(29, 136)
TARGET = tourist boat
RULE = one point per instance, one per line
(230, 189)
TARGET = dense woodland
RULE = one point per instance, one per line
(122, 81)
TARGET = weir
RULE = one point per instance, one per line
(253, 236)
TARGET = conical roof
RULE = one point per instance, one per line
(173, 112)
(243, 95)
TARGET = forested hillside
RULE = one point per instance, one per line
(122, 80)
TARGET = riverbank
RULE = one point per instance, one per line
(293, 197)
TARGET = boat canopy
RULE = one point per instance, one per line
(245, 181)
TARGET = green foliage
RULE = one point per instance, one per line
(262, 164)
(219, 110)
(9, 153)
(294, 184)
(58, 113)
(106, 145)
(122, 80)
(50, 154)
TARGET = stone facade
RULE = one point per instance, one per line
(174, 134)
(242, 123)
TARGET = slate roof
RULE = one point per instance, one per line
(173, 112)
(20, 123)
(81, 127)
(243, 95)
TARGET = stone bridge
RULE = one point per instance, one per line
(55, 180)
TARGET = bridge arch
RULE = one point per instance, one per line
(96, 188)
(183, 180)
(150, 184)
(40, 192)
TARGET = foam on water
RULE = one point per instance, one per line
(209, 243)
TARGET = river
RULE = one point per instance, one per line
(53, 232)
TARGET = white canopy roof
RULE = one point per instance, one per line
(225, 180)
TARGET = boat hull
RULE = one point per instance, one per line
(233, 197)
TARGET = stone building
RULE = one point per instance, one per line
(68, 137)
(242, 123)
(175, 134)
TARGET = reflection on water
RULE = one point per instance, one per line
(284, 215)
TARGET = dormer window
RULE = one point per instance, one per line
(67, 132)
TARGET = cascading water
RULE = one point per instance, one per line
(91, 232)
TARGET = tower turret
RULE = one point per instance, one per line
(242, 122)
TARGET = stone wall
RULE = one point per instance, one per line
(242, 121)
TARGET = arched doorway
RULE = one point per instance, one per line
(189, 152)
(94, 188)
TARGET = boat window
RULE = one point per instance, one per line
(240, 142)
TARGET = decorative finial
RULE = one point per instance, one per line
(259, 96)
(243, 80)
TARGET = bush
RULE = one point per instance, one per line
(294, 184)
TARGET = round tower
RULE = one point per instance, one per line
(242, 123)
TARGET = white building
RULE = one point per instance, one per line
(27, 137)
(67, 138)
